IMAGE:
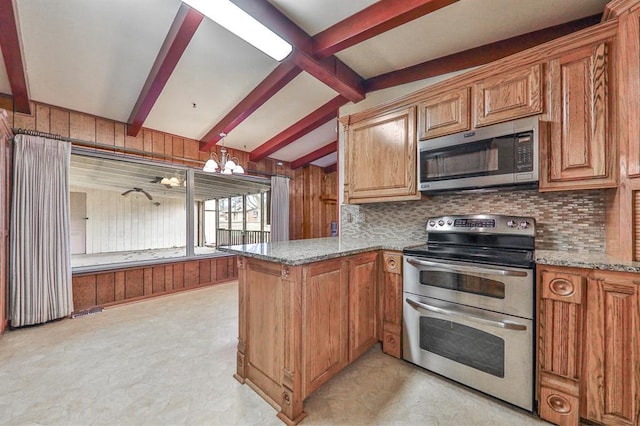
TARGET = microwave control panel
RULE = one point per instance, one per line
(524, 152)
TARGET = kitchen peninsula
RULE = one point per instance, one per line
(308, 308)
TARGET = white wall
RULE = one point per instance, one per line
(119, 223)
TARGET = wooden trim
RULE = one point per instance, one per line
(538, 54)
(182, 29)
(330, 169)
(13, 56)
(372, 21)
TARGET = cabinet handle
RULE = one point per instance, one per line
(509, 325)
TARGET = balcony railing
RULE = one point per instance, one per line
(230, 237)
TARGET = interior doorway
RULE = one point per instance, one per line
(78, 213)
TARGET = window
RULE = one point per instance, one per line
(130, 211)
(122, 211)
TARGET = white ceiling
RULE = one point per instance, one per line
(94, 56)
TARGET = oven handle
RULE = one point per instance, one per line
(510, 325)
(463, 268)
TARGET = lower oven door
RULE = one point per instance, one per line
(485, 350)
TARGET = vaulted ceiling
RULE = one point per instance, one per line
(162, 65)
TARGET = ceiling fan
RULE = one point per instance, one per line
(138, 190)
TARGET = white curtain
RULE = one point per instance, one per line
(279, 208)
(40, 282)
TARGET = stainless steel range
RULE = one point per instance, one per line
(469, 304)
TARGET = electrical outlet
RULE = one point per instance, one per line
(349, 218)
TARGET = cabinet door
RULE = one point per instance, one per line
(444, 114)
(612, 356)
(559, 343)
(325, 321)
(363, 289)
(508, 96)
(580, 151)
(381, 158)
(392, 303)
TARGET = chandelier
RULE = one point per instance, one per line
(225, 164)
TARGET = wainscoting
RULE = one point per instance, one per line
(130, 284)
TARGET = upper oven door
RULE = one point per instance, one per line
(497, 288)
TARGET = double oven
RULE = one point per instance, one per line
(468, 298)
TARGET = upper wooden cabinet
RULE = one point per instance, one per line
(380, 155)
(444, 114)
(579, 152)
(507, 96)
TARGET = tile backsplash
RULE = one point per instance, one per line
(572, 220)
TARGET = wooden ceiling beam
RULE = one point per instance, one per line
(182, 29)
(476, 56)
(312, 121)
(279, 77)
(14, 57)
(381, 16)
(333, 73)
(330, 168)
(329, 148)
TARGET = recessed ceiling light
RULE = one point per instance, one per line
(243, 25)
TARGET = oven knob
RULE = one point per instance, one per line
(512, 224)
(441, 222)
(432, 223)
(524, 224)
(449, 223)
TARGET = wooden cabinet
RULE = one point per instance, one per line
(579, 152)
(560, 331)
(300, 325)
(612, 358)
(392, 303)
(326, 303)
(508, 95)
(588, 346)
(363, 298)
(5, 213)
(380, 155)
(444, 114)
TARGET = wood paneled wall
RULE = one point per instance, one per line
(130, 284)
(315, 205)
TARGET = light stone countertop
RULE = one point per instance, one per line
(299, 252)
(585, 260)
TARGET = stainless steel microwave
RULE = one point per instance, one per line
(503, 155)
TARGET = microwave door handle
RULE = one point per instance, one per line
(509, 325)
(462, 268)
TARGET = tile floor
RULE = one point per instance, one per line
(170, 361)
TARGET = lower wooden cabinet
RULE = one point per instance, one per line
(363, 289)
(392, 303)
(588, 346)
(300, 325)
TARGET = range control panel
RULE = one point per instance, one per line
(483, 223)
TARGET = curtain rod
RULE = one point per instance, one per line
(20, 131)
